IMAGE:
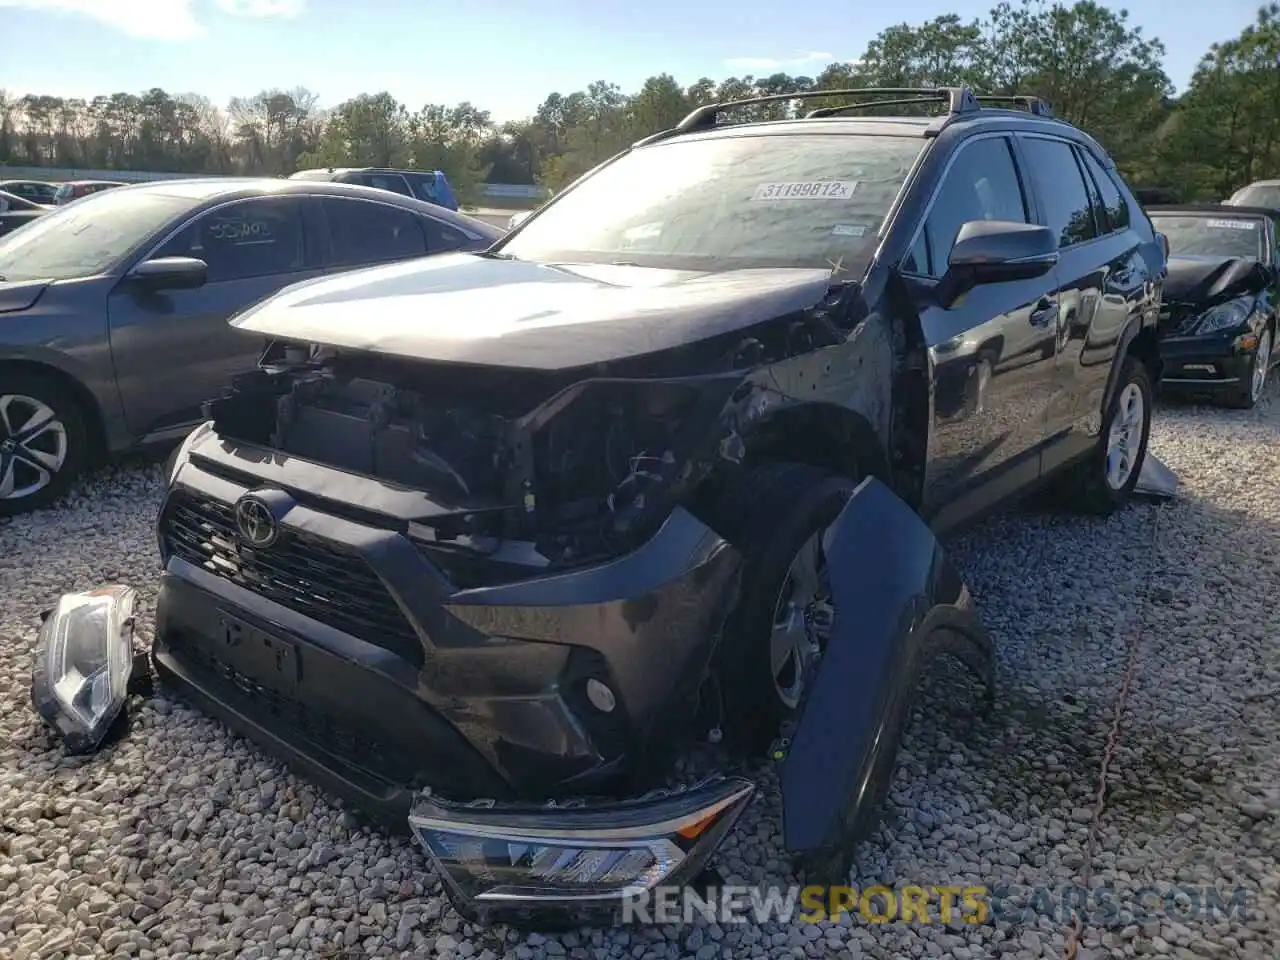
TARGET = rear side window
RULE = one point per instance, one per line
(363, 232)
(1060, 188)
(384, 181)
(443, 237)
(981, 184)
(1114, 208)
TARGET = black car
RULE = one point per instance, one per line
(17, 212)
(491, 539)
(114, 309)
(37, 191)
(1218, 320)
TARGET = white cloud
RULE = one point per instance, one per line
(159, 19)
(145, 19)
(779, 63)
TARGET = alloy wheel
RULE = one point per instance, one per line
(801, 622)
(33, 446)
(1124, 440)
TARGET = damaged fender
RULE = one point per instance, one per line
(898, 605)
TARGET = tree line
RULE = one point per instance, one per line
(1093, 66)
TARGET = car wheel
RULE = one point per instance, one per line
(1252, 390)
(43, 442)
(1107, 477)
(776, 516)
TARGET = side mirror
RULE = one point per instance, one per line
(171, 273)
(997, 251)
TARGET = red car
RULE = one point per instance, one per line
(75, 189)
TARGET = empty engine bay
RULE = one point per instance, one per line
(576, 478)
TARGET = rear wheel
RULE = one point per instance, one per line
(1105, 480)
(43, 442)
(777, 516)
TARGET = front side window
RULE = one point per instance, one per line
(88, 237)
(361, 232)
(981, 184)
(727, 202)
(1212, 236)
(1060, 188)
(252, 238)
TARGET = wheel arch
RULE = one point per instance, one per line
(90, 409)
(819, 434)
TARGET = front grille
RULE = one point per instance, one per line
(314, 577)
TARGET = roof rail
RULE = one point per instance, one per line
(958, 100)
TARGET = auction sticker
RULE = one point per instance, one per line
(1234, 224)
(849, 230)
(811, 190)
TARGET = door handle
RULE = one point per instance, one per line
(1044, 311)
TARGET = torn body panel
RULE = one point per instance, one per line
(898, 605)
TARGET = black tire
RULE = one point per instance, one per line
(1243, 398)
(768, 514)
(1089, 489)
(66, 409)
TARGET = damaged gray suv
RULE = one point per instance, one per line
(489, 540)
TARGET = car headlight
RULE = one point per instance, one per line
(1225, 316)
(83, 662)
(531, 855)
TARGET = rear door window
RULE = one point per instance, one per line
(363, 232)
(1064, 199)
(384, 181)
(1114, 208)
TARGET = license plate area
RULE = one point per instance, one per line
(267, 659)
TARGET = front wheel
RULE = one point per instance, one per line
(1107, 477)
(1255, 386)
(43, 442)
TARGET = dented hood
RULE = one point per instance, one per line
(468, 308)
(1201, 281)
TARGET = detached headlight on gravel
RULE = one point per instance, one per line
(546, 856)
(83, 661)
(1225, 316)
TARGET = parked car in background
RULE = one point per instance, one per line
(37, 191)
(655, 468)
(17, 212)
(1218, 321)
(75, 189)
(429, 185)
(113, 310)
(1262, 193)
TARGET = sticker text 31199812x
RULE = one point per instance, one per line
(810, 190)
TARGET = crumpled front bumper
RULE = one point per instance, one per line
(1205, 364)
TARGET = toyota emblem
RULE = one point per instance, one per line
(258, 528)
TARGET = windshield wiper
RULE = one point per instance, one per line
(494, 255)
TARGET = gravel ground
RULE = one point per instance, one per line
(183, 840)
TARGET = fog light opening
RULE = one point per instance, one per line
(601, 696)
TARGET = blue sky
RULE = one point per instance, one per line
(506, 62)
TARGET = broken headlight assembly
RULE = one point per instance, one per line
(490, 855)
(1225, 316)
(616, 455)
(83, 662)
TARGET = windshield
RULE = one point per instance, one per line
(1257, 195)
(726, 203)
(1212, 236)
(87, 237)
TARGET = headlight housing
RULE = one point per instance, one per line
(1225, 316)
(513, 857)
(83, 662)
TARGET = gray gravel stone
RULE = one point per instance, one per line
(183, 839)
